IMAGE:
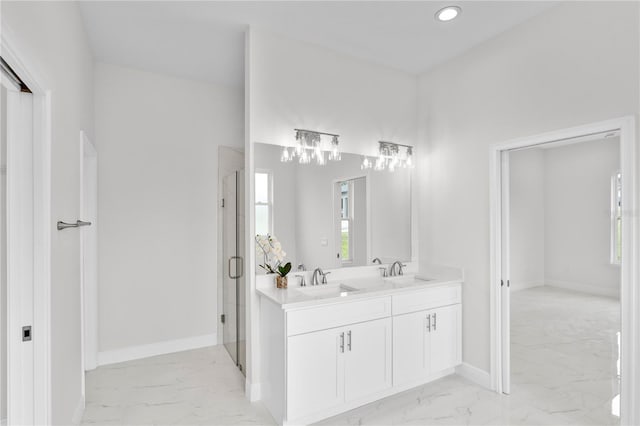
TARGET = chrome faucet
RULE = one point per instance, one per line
(314, 277)
(392, 268)
(377, 260)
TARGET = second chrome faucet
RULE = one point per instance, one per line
(316, 273)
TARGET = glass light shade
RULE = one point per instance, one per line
(298, 147)
(334, 153)
(366, 163)
(286, 155)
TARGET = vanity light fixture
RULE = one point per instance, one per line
(309, 147)
(448, 13)
(389, 157)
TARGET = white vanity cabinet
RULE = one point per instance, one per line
(330, 367)
(424, 343)
(318, 360)
(427, 330)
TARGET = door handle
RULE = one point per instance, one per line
(64, 225)
(434, 321)
(429, 323)
(342, 342)
(236, 258)
(349, 340)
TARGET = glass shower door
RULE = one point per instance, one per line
(233, 291)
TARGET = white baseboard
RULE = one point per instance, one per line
(252, 391)
(518, 286)
(474, 374)
(78, 412)
(606, 291)
(153, 349)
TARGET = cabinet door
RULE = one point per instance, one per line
(367, 358)
(410, 356)
(315, 372)
(444, 338)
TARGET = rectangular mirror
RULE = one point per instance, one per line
(335, 215)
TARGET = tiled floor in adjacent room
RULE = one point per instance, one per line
(564, 355)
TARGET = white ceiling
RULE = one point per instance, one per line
(204, 40)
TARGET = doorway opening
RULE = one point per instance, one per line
(550, 308)
(564, 315)
(232, 291)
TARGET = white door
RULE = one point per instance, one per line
(505, 282)
(89, 250)
(367, 358)
(444, 339)
(20, 258)
(410, 357)
(315, 372)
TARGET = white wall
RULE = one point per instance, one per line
(300, 85)
(560, 217)
(578, 216)
(527, 209)
(568, 66)
(158, 141)
(51, 36)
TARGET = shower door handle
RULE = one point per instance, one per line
(239, 274)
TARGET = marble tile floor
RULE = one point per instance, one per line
(564, 353)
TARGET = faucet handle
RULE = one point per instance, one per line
(383, 270)
(401, 271)
(301, 280)
(324, 277)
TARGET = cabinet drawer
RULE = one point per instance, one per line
(323, 317)
(426, 299)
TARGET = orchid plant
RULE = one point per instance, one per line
(269, 247)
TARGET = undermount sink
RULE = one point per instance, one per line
(326, 290)
(403, 279)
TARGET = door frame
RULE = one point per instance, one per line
(42, 218)
(88, 290)
(630, 286)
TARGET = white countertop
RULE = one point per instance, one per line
(366, 287)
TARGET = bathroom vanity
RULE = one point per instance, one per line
(330, 348)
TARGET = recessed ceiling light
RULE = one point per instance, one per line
(448, 13)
